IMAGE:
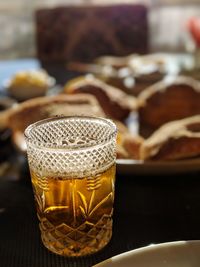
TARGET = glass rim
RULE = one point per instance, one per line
(48, 146)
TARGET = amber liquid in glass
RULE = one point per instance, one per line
(75, 214)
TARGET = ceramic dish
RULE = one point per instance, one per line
(125, 166)
(27, 87)
(173, 254)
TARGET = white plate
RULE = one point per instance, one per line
(138, 167)
(173, 254)
(125, 166)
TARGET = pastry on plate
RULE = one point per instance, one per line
(146, 63)
(29, 84)
(117, 72)
(171, 99)
(174, 141)
(115, 103)
(128, 144)
(116, 76)
(20, 116)
(147, 70)
(132, 144)
(115, 62)
(122, 130)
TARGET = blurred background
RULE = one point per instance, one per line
(136, 62)
(166, 23)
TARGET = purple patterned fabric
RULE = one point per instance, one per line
(83, 33)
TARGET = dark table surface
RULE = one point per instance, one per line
(148, 209)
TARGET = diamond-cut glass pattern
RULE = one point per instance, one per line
(87, 235)
(74, 147)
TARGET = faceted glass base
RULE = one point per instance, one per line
(88, 238)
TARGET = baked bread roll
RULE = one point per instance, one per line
(115, 62)
(132, 74)
(128, 144)
(168, 100)
(119, 77)
(132, 145)
(174, 141)
(30, 111)
(115, 103)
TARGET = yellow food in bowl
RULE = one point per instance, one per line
(28, 84)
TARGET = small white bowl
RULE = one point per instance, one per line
(24, 92)
(173, 254)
